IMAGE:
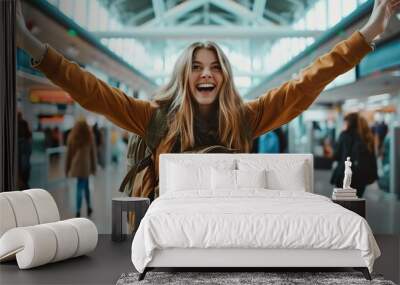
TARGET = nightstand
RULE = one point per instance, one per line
(355, 205)
(126, 204)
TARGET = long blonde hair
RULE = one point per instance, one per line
(176, 94)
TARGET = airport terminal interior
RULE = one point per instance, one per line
(133, 46)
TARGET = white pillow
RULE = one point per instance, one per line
(281, 175)
(183, 177)
(277, 180)
(223, 179)
(251, 178)
(235, 179)
(187, 174)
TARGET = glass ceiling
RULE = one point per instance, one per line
(252, 58)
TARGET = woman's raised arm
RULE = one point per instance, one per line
(90, 92)
(378, 21)
(24, 38)
(280, 105)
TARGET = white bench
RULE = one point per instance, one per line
(31, 231)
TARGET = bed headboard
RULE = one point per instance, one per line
(302, 164)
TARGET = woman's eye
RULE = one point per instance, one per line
(216, 67)
(196, 67)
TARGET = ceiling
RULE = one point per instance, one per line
(144, 13)
(76, 49)
(136, 13)
(385, 81)
(247, 28)
(198, 19)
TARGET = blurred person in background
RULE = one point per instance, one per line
(380, 130)
(98, 137)
(48, 140)
(384, 174)
(357, 142)
(56, 137)
(117, 146)
(81, 161)
(327, 148)
(24, 152)
(268, 143)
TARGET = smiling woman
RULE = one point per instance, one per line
(202, 102)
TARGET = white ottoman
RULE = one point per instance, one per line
(31, 232)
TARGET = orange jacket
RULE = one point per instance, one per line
(271, 110)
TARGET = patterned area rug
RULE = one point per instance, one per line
(230, 278)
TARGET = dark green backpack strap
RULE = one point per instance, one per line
(248, 130)
(131, 175)
(157, 128)
(145, 147)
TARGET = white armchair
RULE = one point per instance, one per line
(31, 230)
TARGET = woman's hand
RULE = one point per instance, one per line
(379, 19)
(24, 38)
(20, 25)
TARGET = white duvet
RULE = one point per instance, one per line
(252, 218)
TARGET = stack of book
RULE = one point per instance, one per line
(344, 194)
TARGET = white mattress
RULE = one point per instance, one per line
(252, 218)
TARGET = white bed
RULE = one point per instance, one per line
(201, 219)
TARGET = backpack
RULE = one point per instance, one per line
(141, 149)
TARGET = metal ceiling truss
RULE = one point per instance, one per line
(176, 12)
(170, 4)
(214, 32)
(258, 7)
(242, 12)
(300, 8)
(159, 8)
(139, 16)
(206, 13)
(261, 6)
(232, 7)
(276, 17)
(219, 20)
(171, 23)
(193, 19)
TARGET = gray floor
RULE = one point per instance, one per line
(110, 260)
(103, 266)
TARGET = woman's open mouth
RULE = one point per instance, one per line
(205, 87)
